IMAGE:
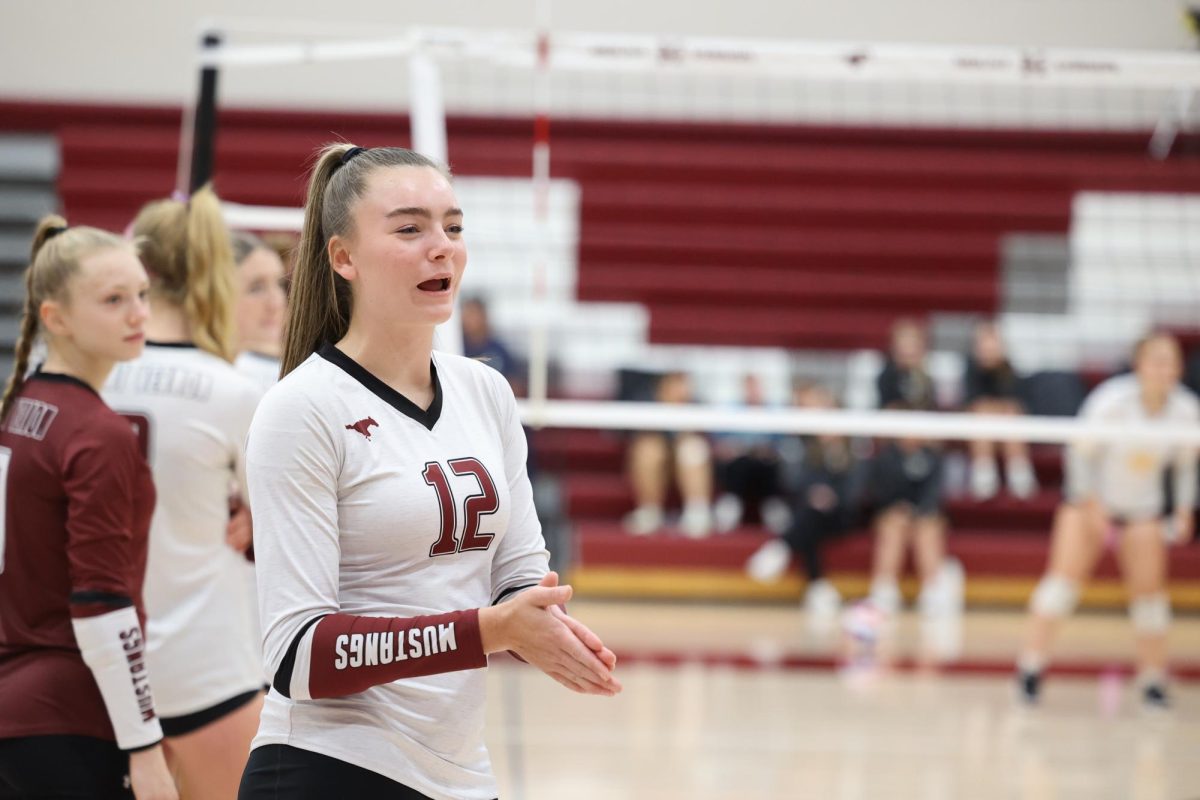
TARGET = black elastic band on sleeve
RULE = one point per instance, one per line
(283, 675)
(89, 597)
(144, 747)
(512, 590)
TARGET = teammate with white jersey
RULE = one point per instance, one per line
(1123, 485)
(77, 716)
(259, 308)
(192, 410)
(395, 531)
(258, 313)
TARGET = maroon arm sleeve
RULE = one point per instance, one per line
(351, 653)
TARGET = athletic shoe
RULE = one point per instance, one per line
(985, 479)
(696, 520)
(643, 520)
(1155, 698)
(1029, 687)
(769, 561)
(822, 599)
(1022, 483)
(727, 513)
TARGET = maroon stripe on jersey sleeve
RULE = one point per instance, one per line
(351, 653)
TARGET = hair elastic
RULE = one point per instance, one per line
(350, 154)
(55, 231)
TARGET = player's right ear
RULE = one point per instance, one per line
(50, 312)
(340, 258)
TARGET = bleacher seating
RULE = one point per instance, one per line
(767, 237)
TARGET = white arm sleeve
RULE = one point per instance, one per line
(292, 468)
(521, 559)
(113, 648)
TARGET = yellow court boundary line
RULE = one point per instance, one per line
(716, 584)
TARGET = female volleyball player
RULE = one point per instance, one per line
(77, 717)
(259, 308)
(395, 532)
(1122, 485)
(194, 410)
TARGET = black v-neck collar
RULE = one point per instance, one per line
(427, 417)
(58, 377)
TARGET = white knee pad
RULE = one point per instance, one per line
(1151, 613)
(1055, 596)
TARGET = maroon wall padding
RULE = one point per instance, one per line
(782, 235)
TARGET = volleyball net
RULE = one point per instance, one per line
(724, 207)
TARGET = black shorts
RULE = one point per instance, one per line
(283, 772)
(910, 478)
(64, 768)
(178, 726)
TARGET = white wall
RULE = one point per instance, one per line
(142, 50)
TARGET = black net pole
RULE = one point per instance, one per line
(204, 131)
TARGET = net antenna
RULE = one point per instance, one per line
(831, 83)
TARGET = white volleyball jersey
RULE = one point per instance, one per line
(366, 504)
(192, 411)
(263, 370)
(1128, 477)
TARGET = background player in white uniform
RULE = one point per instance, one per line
(259, 309)
(193, 409)
(392, 510)
(1123, 485)
(258, 314)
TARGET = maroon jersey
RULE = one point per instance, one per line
(79, 496)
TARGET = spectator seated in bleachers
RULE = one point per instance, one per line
(481, 343)
(905, 486)
(747, 471)
(825, 488)
(992, 387)
(655, 456)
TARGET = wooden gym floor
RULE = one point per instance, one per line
(750, 701)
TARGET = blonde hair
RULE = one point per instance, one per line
(55, 257)
(185, 248)
(319, 304)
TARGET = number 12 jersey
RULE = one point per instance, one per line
(365, 504)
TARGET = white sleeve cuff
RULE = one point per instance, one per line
(113, 648)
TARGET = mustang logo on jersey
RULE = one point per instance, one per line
(363, 426)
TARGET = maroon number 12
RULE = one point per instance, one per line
(484, 502)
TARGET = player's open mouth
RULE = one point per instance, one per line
(435, 285)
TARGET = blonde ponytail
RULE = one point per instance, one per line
(186, 248)
(54, 259)
(319, 303)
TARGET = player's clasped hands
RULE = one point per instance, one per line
(536, 627)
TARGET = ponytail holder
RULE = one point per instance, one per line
(350, 154)
(180, 197)
(55, 231)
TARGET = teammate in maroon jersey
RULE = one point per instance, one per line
(77, 716)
